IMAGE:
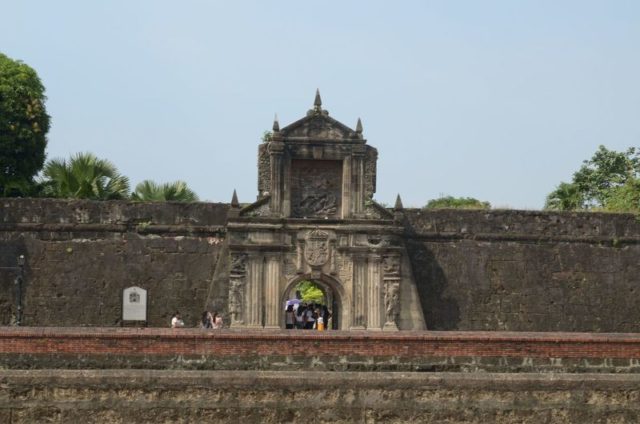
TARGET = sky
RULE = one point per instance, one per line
(497, 100)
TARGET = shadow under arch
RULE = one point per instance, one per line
(333, 290)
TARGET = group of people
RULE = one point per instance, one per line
(304, 316)
(209, 320)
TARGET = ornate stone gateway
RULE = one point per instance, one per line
(315, 219)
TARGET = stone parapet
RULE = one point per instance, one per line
(331, 350)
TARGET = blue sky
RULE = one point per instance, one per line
(498, 100)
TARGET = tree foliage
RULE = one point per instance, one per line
(446, 202)
(177, 191)
(84, 176)
(610, 181)
(310, 292)
(24, 124)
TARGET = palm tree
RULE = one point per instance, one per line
(177, 191)
(84, 176)
(565, 197)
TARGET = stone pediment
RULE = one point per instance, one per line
(319, 125)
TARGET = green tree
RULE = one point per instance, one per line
(609, 181)
(310, 292)
(446, 202)
(177, 191)
(566, 197)
(84, 176)
(24, 124)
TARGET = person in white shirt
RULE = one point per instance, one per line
(176, 321)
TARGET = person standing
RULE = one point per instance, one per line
(289, 318)
(217, 322)
(207, 320)
(319, 321)
(300, 317)
(310, 320)
(176, 320)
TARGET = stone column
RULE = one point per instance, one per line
(374, 294)
(272, 292)
(358, 319)
(357, 171)
(276, 152)
(255, 292)
(346, 187)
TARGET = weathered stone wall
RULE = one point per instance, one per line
(526, 271)
(475, 270)
(81, 254)
(137, 396)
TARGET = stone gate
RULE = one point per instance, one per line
(315, 219)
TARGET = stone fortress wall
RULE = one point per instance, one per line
(474, 270)
(145, 375)
(80, 255)
(502, 293)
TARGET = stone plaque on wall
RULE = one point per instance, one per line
(134, 304)
(316, 188)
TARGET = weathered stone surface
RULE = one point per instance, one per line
(526, 271)
(136, 396)
(75, 271)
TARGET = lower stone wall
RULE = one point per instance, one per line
(81, 348)
(136, 396)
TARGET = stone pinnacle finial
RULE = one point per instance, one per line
(234, 200)
(398, 206)
(276, 124)
(359, 127)
(318, 101)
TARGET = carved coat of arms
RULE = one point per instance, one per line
(316, 251)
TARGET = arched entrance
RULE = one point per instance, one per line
(332, 297)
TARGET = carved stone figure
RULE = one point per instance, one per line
(238, 264)
(391, 265)
(316, 188)
(392, 302)
(236, 299)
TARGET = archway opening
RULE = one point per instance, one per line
(316, 296)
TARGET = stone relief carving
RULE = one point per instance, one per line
(316, 188)
(345, 268)
(262, 210)
(316, 248)
(264, 170)
(392, 302)
(317, 204)
(371, 212)
(236, 299)
(370, 171)
(391, 265)
(374, 240)
(238, 263)
(290, 268)
(320, 127)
